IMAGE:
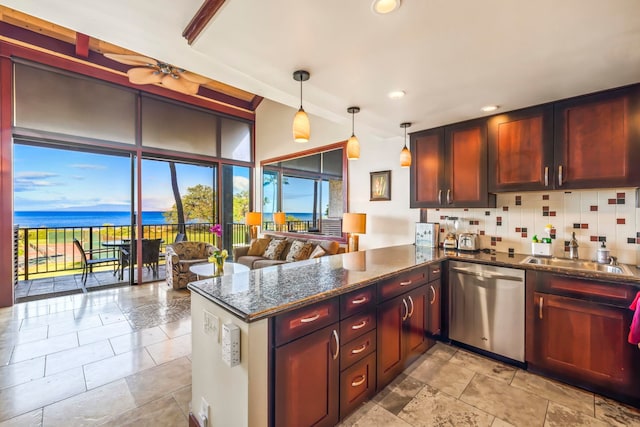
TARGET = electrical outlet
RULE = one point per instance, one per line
(212, 325)
(204, 413)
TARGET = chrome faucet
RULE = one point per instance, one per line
(613, 260)
(573, 247)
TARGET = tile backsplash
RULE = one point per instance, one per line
(608, 215)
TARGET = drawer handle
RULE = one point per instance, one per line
(359, 325)
(411, 301)
(406, 310)
(540, 307)
(436, 271)
(360, 349)
(310, 319)
(359, 382)
(360, 300)
(335, 336)
(407, 283)
(434, 295)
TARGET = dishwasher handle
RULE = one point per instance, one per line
(487, 275)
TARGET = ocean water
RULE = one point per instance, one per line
(33, 219)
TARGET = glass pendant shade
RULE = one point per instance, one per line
(405, 157)
(405, 154)
(301, 126)
(353, 148)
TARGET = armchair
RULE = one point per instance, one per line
(181, 256)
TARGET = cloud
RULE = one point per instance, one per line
(28, 181)
(240, 183)
(86, 166)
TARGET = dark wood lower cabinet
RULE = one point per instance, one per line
(402, 322)
(584, 340)
(307, 374)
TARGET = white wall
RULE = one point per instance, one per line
(388, 222)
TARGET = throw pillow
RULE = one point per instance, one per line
(258, 246)
(274, 249)
(317, 252)
(298, 251)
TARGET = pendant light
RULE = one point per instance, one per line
(353, 145)
(405, 154)
(301, 127)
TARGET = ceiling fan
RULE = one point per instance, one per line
(150, 71)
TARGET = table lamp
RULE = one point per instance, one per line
(354, 224)
(279, 219)
(253, 220)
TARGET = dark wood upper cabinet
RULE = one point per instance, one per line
(597, 140)
(450, 167)
(521, 150)
(427, 168)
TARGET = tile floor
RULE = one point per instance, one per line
(121, 356)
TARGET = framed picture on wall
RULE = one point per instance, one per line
(380, 185)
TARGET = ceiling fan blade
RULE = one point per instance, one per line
(180, 85)
(193, 77)
(131, 59)
(143, 76)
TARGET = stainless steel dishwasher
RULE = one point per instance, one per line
(486, 308)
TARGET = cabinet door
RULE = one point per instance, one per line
(427, 169)
(466, 165)
(597, 140)
(307, 380)
(434, 312)
(521, 150)
(583, 341)
(391, 316)
(416, 324)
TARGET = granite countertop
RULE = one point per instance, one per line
(265, 292)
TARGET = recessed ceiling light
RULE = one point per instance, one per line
(396, 94)
(489, 108)
(385, 6)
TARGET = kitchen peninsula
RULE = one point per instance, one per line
(356, 319)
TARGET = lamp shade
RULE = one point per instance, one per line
(279, 218)
(353, 148)
(405, 157)
(354, 223)
(253, 218)
(301, 126)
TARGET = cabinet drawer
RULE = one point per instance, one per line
(435, 271)
(618, 294)
(402, 283)
(357, 384)
(357, 325)
(356, 349)
(305, 320)
(357, 301)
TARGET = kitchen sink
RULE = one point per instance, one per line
(577, 264)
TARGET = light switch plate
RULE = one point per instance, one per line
(212, 325)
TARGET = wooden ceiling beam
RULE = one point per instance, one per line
(82, 45)
(200, 20)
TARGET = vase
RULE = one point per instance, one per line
(219, 266)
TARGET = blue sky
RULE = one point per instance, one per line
(49, 179)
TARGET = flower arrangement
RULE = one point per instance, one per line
(219, 256)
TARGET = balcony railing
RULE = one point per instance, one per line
(47, 251)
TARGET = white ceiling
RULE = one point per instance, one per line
(450, 56)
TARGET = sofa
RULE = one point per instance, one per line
(182, 255)
(272, 249)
